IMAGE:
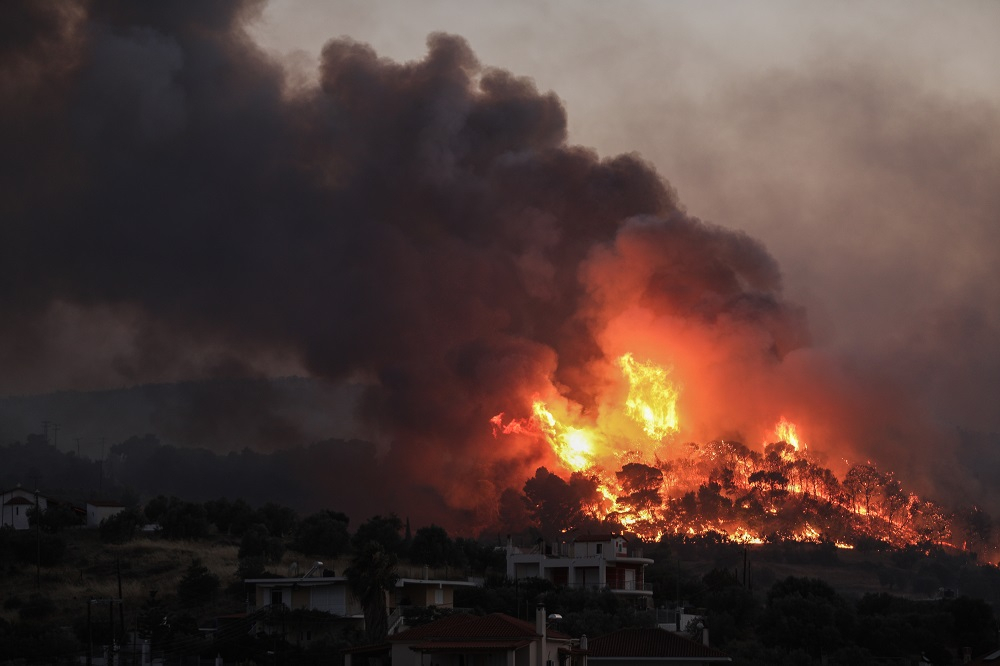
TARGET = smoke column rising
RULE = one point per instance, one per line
(175, 206)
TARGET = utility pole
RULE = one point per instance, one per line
(121, 600)
(90, 635)
(38, 540)
(45, 430)
(100, 484)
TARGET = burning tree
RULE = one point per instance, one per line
(782, 492)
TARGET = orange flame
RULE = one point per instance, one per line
(785, 431)
(721, 488)
(573, 446)
(652, 398)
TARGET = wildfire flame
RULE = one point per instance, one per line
(652, 398)
(720, 488)
(785, 431)
(574, 446)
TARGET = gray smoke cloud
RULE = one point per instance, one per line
(176, 206)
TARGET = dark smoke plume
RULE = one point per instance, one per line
(421, 227)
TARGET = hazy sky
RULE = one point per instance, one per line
(859, 141)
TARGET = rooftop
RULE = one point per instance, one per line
(649, 643)
(474, 628)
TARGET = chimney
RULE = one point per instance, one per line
(583, 642)
(966, 654)
(704, 636)
(540, 629)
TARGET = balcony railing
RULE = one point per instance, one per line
(613, 587)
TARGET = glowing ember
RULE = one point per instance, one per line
(652, 398)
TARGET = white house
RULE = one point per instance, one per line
(98, 510)
(14, 506)
(331, 594)
(599, 562)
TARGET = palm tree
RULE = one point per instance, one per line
(371, 574)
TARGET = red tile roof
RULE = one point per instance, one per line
(471, 646)
(474, 628)
(649, 643)
(462, 626)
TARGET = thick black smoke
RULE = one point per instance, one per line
(422, 227)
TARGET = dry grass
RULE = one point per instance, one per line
(149, 566)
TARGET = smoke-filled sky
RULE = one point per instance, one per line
(795, 206)
(858, 141)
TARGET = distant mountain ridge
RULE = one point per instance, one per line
(219, 415)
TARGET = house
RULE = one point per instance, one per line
(14, 506)
(304, 608)
(310, 595)
(650, 647)
(98, 510)
(325, 593)
(484, 640)
(410, 594)
(598, 562)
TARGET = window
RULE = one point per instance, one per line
(600, 548)
(275, 596)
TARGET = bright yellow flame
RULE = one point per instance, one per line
(785, 432)
(652, 398)
(573, 446)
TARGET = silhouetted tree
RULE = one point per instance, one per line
(806, 614)
(432, 546)
(323, 533)
(557, 505)
(55, 517)
(258, 542)
(863, 484)
(198, 585)
(371, 574)
(177, 519)
(383, 530)
(121, 527)
(280, 520)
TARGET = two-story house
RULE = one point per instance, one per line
(329, 594)
(592, 561)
